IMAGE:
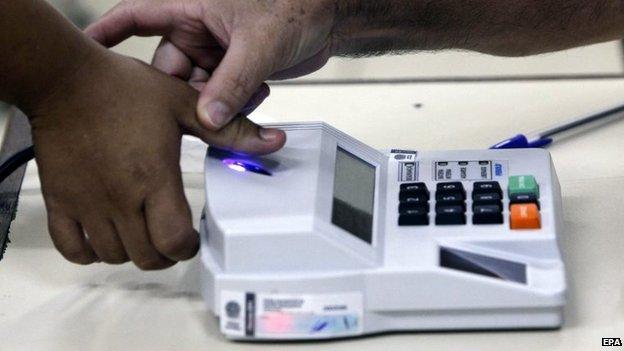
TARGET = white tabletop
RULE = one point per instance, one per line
(49, 304)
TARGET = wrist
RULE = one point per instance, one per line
(343, 26)
(61, 79)
(363, 27)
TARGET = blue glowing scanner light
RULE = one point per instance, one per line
(242, 165)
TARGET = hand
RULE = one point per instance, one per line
(107, 143)
(241, 42)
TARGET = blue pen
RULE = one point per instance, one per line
(548, 136)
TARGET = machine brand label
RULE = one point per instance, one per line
(289, 316)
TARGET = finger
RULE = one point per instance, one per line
(104, 240)
(136, 241)
(134, 17)
(69, 239)
(169, 221)
(199, 86)
(243, 69)
(207, 58)
(240, 134)
(256, 100)
(170, 60)
(198, 78)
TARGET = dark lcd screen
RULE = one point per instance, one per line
(354, 195)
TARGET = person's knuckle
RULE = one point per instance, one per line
(127, 10)
(75, 254)
(237, 133)
(120, 203)
(122, 9)
(240, 87)
(128, 197)
(113, 258)
(115, 194)
(125, 4)
(176, 243)
(71, 251)
(57, 204)
(150, 263)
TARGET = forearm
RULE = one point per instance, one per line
(39, 51)
(505, 27)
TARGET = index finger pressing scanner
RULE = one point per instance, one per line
(330, 238)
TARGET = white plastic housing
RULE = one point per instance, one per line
(273, 235)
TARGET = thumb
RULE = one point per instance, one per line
(240, 74)
(240, 134)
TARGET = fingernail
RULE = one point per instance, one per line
(268, 134)
(216, 113)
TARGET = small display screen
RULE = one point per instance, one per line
(354, 195)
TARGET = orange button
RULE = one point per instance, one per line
(525, 216)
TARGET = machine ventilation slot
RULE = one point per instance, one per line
(483, 265)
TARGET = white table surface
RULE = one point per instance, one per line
(49, 304)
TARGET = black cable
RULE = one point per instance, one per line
(16, 161)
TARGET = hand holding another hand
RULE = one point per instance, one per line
(226, 48)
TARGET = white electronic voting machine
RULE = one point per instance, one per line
(330, 238)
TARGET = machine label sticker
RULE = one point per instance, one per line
(462, 170)
(289, 316)
(402, 151)
(501, 169)
(408, 171)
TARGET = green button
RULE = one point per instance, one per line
(524, 184)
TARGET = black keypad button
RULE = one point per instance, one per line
(417, 187)
(523, 198)
(487, 205)
(450, 197)
(416, 211)
(487, 214)
(414, 192)
(486, 198)
(450, 209)
(414, 204)
(412, 197)
(452, 187)
(450, 204)
(486, 187)
(414, 217)
(405, 206)
(440, 206)
(498, 204)
(450, 215)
